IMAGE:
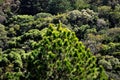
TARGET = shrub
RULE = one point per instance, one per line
(3, 36)
(104, 11)
(19, 24)
(80, 4)
(59, 55)
(33, 6)
(11, 65)
(59, 6)
(115, 19)
(42, 15)
(85, 16)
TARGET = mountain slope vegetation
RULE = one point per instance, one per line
(59, 39)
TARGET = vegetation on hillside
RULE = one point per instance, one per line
(59, 39)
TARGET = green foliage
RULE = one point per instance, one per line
(112, 66)
(95, 23)
(51, 6)
(80, 4)
(115, 18)
(1, 1)
(20, 19)
(3, 32)
(8, 7)
(81, 31)
(33, 6)
(104, 11)
(102, 24)
(82, 17)
(59, 55)
(106, 64)
(59, 6)
(42, 15)
(117, 7)
(3, 36)
(112, 35)
(74, 15)
(93, 41)
(26, 41)
(111, 49)
(12, 67)
(19, 24)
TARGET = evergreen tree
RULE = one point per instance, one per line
(60, 56)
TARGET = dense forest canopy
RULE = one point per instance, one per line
(60, 39)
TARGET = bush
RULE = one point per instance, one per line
(12, 64)
(102, 24)
(19, 24)
(104, 11)
(80, 4)
(112, 35)
(83, 17)
(3, 36)
(111, 65)
(42, 15)
(26, 40)
(115, 19)
(59, 55)
(59, 6)
(33, 6)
